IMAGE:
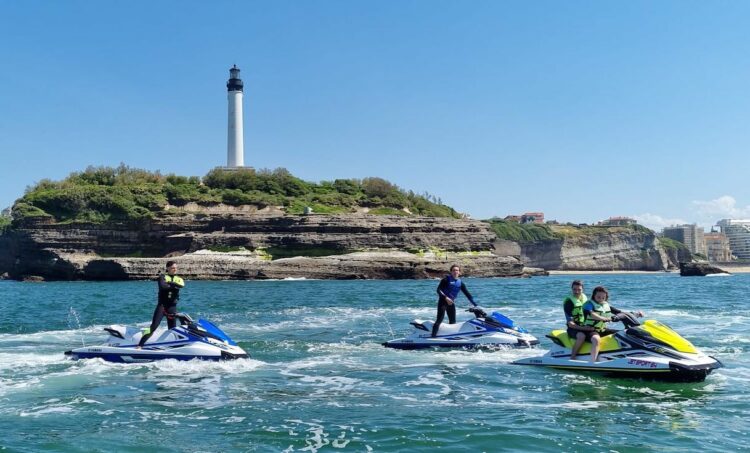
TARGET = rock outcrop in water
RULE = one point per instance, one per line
(253, 246)
(699, 269)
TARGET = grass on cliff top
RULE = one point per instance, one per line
(523, 233)
(671, 244)
(102, 194)
(570, 230)
(534, 232)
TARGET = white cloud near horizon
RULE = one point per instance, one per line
(704, 213)
(656, 222)
(724, 207)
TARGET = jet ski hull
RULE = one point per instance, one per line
(193, 341)
(483, 332)
(646, 368)
(652, 351)
(426, 343)
(132, 355)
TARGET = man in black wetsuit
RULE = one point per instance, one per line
(447, 291)
(169, 293)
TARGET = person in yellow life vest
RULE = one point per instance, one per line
(169, 292)
(573, 308)
(597, 313)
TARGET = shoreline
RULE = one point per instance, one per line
(568, 272)
(730, 269)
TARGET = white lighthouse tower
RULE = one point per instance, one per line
(235, 141)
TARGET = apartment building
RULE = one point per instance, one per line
(690, 235)
(738, 234)
(717, 247)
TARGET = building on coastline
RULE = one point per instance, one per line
(738, 234)
(235, 133)
(527, 217)
(690, 235)
(717, 247)
(532, 217)
(618, 221)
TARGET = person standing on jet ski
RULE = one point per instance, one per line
(169, 292)
(573, 308)
(597, 313)
(447, 291)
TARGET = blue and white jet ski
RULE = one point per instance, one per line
(484, 331)
(190, 340)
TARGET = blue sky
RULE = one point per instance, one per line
(582, 109)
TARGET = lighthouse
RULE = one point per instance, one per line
(235, 141)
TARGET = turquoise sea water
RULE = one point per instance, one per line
(319, 380)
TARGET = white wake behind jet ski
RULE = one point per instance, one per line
(649, 351)
(484, 331)
(190, 340)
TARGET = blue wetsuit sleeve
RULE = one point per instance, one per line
(466, 293)
(588, 307)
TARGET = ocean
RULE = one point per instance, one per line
(318, 379)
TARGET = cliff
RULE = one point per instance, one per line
(270, 244)
(240, 245)
(600, 249)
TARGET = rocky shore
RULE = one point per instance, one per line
(253, 245)
(236, 245)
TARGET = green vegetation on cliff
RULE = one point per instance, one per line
(101, 194)
(4, 223)
(672, 245)
(534, 232)
(523, 233)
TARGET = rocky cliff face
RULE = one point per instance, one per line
(607, 251)
(273, 245)
(283, 246)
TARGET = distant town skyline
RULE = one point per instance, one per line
(580, 110)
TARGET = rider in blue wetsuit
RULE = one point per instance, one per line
(447, 291)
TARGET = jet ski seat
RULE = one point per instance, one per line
(608, 342)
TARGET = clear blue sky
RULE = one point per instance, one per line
(580, 109)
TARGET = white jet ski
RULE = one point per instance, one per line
(190, 340)
(649, 351)
(484, 331)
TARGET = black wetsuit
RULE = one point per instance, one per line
(444, 289)
(169, 293)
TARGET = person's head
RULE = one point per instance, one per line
(600, 294)
(171, 267)
(455, 270)
(577, 287)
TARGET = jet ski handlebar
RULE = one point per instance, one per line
(478, 311)
(627, 318)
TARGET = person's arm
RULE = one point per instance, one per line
(568, 310)
(466, 293)
(163, 282)
(442, 286)
(595, 316)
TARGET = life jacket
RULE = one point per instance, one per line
(454, 286)
(577, 312)
(172, 294)
(601, 310)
